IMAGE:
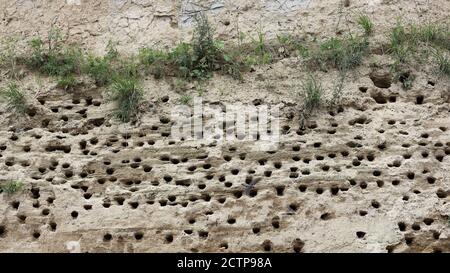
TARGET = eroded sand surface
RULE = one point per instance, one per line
(369, 176)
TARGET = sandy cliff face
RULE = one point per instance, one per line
(133, 24)
(368, 176)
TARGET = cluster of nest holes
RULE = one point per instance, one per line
(304, 160)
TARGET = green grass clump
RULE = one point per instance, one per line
(102, 69)
(186, 99)
(196, 59)
(312, 91)
(12, 187)
(67, 82)
(54, 61)
(437, 35)
(406, 42)
(443, 63)
(342, 54)
(127, 93)
(261, 50)
(154, 61)
(366, 24)
(415, 45)
(99, 69)
(55, 58)
(8, 58)
(15, 98)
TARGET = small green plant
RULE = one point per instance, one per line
(185, 99)
(261, 50)
(179, 85)
(98, 68)
(12, 187)
(342, 54)
(398, 43)
(312, 91)
(434, 34)
(443, 62)
(128, 95)
(8, 58)
(15, 98)
(111, 51)
(67, 82)
(366, 24)
(154, 60)
(206, 50)
(54, 58)
(183, 60)
(303, 51)
(233, 64)
(407, 42)
(285, 39)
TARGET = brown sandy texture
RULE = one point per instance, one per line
(369, 176)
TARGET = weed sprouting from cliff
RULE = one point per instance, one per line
(99, 69)
(260, 48)
(8, 58)
(311, 90)
(342, 54)
(196, 59)
(55, 58)
(12, 187)
(413, 45)
(127, 93)
(15, 98)
(206, 51)
(443, 62)
(366, 24)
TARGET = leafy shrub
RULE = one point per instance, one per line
(155, 61)
(194, 60)
(98, 68)
(54, 58)
(207, 52)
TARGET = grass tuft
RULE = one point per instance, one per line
(8, 58)
(443, 62)
(342, 54)
(366, 24)
(67, 82)
(128, 95)
(312, 90)
(15, 98)
(185, 99)
(12, 187)
(98, 68)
